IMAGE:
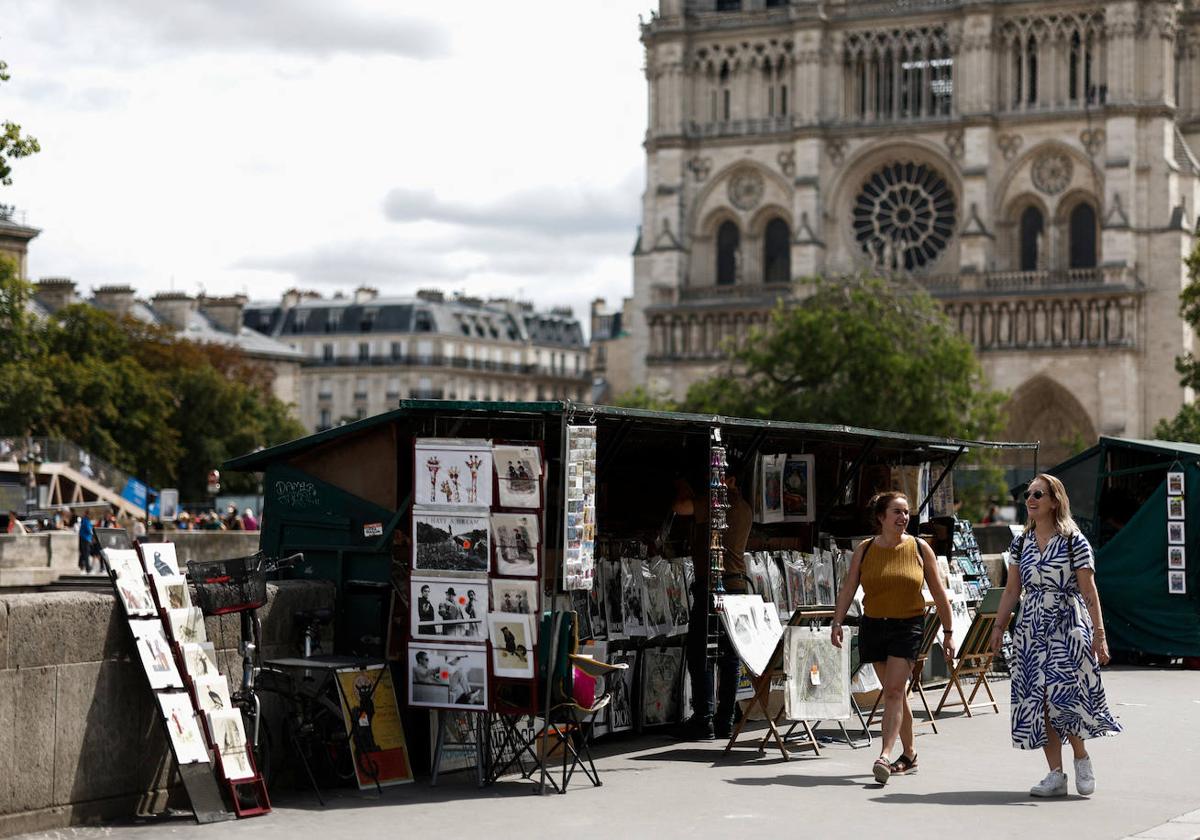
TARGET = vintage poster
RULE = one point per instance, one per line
(517, 538)
(373, 723)
(1176, 558)
(579, 564)
(620, 714)
(450, 542)
(818, 684)
(662, 670)
(447, 677)
(771, 491)
(518, 476)
(442, 608)
(513, 650)
(515, 596)
(1174, 484)
(183, 728)
(1175, 507)
(753, 627)
(452, 472)
(798, 488)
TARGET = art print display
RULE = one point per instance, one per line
(443, 608)
(372, 719)
(798, 488)
(513, 650)
(614, 601)
(130, 582)
(1176, 559)
(212, 693)
(515, 596)
(770, 489)
(447, 677)
(677, 597)
(753, 627)
(1175, 507)
(172, 591)
(187, 739)
(756, 570)
(632, 596)
(518, 476)
(1177, 583)
(199, 660)
(1175, 533)
(824, 578)
(155, 653)
(160, 559)
(818, 684)
(187, 625)
(452, 472)
(662, 670)
(579, 557)
(229, 738)
(517, 538)
(596, 605)
(620, 717)
(450, 542)
(793, 573)
(655, 598)
(1174, 484)
(779, 593)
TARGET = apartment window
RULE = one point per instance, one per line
(360, 388)
(360, 413)
(397, 350)
(327, 352)
(425, 352)
(324, 421)
(393, 387)
(364, 351)
(325, 388)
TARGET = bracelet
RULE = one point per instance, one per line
(1099, 633)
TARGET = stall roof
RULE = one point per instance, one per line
(1176, 449)
(256, 461)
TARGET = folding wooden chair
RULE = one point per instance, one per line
(933, 623)
(974, 659)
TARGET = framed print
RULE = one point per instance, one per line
(444, 608)
(519, 476)
(229, 738)
(516, 537)
(212, 693)
(155, 653)
(1177, 583)
(662, 681)
(370, 711)
(798, 488)
(515, 596)
(199, 660)
(159, 558)
(1175, 507)
(1175, 533)
(447, 677)
(819, 687)
(183, 727)
(172, 591)
(450, 542)
(130, 581)
(453, 472)
(1176, 559)
(771, 472)
(187, 625)
(512, 644)
(1175, 484)
(113, 538)
(620, 715)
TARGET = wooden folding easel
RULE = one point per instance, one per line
(933, 623)
(974, 660)
(760, 700)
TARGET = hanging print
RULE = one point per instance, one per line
(453, 472)
(519, 476)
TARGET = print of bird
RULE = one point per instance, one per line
(216, 699)
(161, 567)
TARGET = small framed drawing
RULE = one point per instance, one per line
(512, 645)
(1175, 507)
(448, 542)
(1175, 484)
(130, 581)
(516, 537)
(229, 737)
(160, 559)
(155, 653)
(199, 660)
(445, 608)
(447, 677)
(186, 737)
(212, 694)
(187, 625)
(519, 476)
(1175, 533)
(453, 472)
(172, 591)
(515, 596)
(1176, 559)
(1176, 583)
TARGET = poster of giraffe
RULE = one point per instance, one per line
(453, 472)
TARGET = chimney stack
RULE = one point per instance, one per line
(363, 294)
(225, 312)
(174, 308)
(117, 300)
(56, 292)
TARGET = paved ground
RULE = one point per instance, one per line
(972, 784)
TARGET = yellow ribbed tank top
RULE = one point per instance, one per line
(891, 579)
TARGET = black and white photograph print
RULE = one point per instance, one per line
(515, 596)
(1175, 484)
(447, 677)
(155, 653)
(1177, 583)
(1175, 507)
(518, 475)
(160, 559)
(449, 542)
(516, 537)
(453, 472)
(183, 727)
(1175, 533)
(1176, 559)
(512, 644)
(130, 581)
(449, 608)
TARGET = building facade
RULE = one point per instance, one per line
(362, 354)
(1029, 163)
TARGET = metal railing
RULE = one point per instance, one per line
(56, 451)
(1015, 282)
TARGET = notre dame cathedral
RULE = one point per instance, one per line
(1028, 162)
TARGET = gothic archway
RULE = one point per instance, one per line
(1043, 410)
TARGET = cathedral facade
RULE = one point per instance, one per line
(1029, 163)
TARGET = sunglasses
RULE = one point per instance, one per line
(1037, 494)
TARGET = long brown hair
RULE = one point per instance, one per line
(879, 504)
(1063, 522)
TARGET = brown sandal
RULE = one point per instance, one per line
(881, 770)
(903, 765)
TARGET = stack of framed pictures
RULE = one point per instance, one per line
(1176, 534)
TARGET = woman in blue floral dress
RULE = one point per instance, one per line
(1059, 642)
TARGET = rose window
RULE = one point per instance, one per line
(904, 216)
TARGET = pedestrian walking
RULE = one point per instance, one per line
(1059, 642)
(87, 534)
(893, 568)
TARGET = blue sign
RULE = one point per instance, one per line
(136, 492)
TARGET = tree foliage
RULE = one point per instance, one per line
(1185, 426)
(13, 144)
(162, 408)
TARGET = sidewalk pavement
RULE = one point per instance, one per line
(971, 784)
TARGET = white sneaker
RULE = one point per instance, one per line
(1085, 779)
(1055, 784)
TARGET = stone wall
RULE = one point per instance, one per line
(80, 737)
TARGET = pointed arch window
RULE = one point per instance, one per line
(1032, 228)
(729, 240)
(777, 252)
(1082, 228)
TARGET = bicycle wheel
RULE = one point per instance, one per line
(329, 735)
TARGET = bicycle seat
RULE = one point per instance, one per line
(321, 615)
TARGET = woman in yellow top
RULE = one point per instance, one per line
(892, 568)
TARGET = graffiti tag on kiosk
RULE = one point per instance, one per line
(296, 494)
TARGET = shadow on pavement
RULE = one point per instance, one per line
(857, 780)
(965, 797)
(715, 757)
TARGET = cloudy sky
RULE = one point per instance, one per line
(234, 146)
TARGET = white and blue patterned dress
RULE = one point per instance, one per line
(1054, 667)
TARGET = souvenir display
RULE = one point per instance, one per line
(199, 660)
(442, 608)
(172, 591)
(155, 653)
(516, 537)
(212, 693)
(453, 472)
(183, 727)
(447, 676)
(187, 625)
(513, 650)
(579, 563)
(770, 488)
(1174, 484)
(620, 717)
(1177, 583)
(450, 542)
(632, 589)
(515, 596)
(130, 582)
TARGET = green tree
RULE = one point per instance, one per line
(641, 397)
(12, 144)
(1185, 426)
